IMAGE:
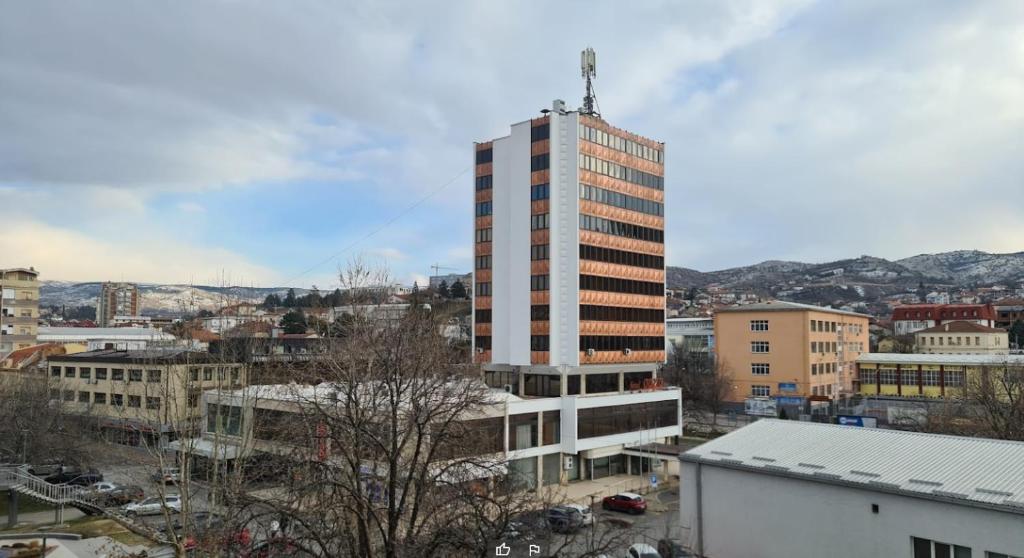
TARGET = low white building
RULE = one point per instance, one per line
(785, 488)
(117, 338)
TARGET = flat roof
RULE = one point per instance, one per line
(786, 306)
(923, 358)
(972, 471)
(48, 332)
(146, 356)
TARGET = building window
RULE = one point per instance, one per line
(482, 316)
(759, 347)
(101, 373)
(540, 162)
(607, 421)
(618, 228)
(99, 398)
(193, 397)
(616, 285)
(134, 375)
(540, 313)
(55, 371)
(538, 282)
(622, 201)
(814, 370)
(602, 383)
(483, 289)
(925, 548)
(930, 378)
(483, 235)
(540, 132)
(622, 257)
(483, 262)
(153, 375)
(152, 402)
(760, 368)
(522, 431)
(207, 373)
(224, 419)
(69, 371)
(760, 391)
(193, 374)
(758, 325)
(484, 182)
(621, 172)
(887, 377)
(483, 209)
(551, 425)
(539, 252)
(539, 343)
(134, 401)
(117, 374)
(85, 373)
(483, 342)
(484, 156)
(83, 397)
(622, 342)
(539, 192)
(621, 314)
(954, 378)
(117, 399)
(539, 221)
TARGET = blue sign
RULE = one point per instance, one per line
(783, 400)
(654, 480)
(787, 387)
(850, 420)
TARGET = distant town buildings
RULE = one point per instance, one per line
(904, 375)
(962, 337)
(450, 279)
(80, 339)
(788, 352)
(19, 309)
(116, 299)
(911, 318)
(1008, 311)
(695, 335)
(846, 491)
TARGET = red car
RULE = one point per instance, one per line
(625, 502)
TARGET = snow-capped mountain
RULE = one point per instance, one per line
(969, 266)
(158, 299)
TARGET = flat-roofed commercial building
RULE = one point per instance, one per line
(19, 309)
(925, 375)
(962, 338)
(138, 397)
(780, 489)
(784, 349)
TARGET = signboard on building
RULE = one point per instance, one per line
(760, 406)
(787, 387)
(852, 420)
(790, 401)
(654, 481)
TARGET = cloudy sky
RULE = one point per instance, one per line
(267, 143)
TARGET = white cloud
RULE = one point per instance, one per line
(191, 207)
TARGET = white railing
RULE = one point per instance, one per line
(21, 481)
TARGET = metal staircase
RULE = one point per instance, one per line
(19, 480)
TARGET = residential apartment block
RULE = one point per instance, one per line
(787, 350)
(911, 318)
(19, 309)
(1008, 311)
(963, 338)
(137, 397)
(116, 299)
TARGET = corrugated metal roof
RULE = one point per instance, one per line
(786, 306)
(972, 470)
(920, 358)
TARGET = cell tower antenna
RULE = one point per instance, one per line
(588, 67)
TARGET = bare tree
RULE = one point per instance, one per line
(704, 382)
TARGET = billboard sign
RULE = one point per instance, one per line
(852, 420)
(790, 401)
(787, 387)
(760, 406)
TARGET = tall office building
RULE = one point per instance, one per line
(570, 267)
(19, 309)
(116, 299)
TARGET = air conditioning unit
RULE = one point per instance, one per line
(627, 351)
(508, 388)
(479, 350)
(590, 352)
(568, 462)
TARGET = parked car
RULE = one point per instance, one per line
(102, 487)
(585, 513)
(642, 550)
(669, 548)
(625, 502)
(153, 505)
(563, 519)
(75, 477)
(122, 495)
(167, 475)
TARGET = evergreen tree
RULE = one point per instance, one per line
(289, 299)
(442, 290)
(458, 290)
(293, 322)
(1016, 332)
(271, 301)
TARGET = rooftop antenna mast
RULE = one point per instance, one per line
(588, 67)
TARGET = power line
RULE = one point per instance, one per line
(383, 226)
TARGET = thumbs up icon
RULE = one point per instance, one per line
(502, 550)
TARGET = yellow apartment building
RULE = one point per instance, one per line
(784, 349)
(146, 397)
(19, 309)
(924, 375)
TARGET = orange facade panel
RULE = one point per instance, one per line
(618, 357)
(588, 327)
(484, 248)
(539, 357)
(482, 302)
(482, 276)
(619, 214)
(540, 328)
(482, 358)
(540, 267)
(540, 297)
(482, 329)
(540, 147)
(484, 222)
(625, 159)
(602, 298)
(621, 243)
(540, 177)
(539, 206)
(621, 186)
(606, 127)
(591, 267)
(484, 195)
(541, 236)
(483, 169)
